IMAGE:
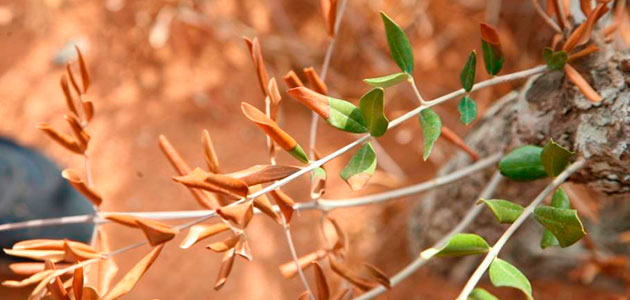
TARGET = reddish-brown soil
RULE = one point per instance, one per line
(197, 81)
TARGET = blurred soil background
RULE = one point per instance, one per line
(178, 67)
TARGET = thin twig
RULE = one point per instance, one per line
(294, 256)
(427, 254)
(494, 251)
(545, 17)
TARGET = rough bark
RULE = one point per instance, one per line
(549, 106)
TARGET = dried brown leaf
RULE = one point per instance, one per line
(377, 275)
(61, 138)
(274, 97)
(323, 291)
(50, 244)
(243, 250)
(107, 268)
(317, 84)
(133, 276)
(263, 173)
(77, 283)
(127, 220)
(259, 63)
(90, 293)
(74, 254)
(582, 33)
(240, 214)
(52, 255)
(226, 268)
(585, 6)
(56, 289)
(156, 232)
(581, 84)
(292, 80)
(284, 202)
(329, 10)
(217, 183)
(66, 93)
(79, 134)
(75, 180)
(263, 204)
(278, 135)
(88, 109)
(29, 268)
(210, 155)
(452, 137)
(341, 241)
(313, 100)
(348, 274)
(555, 7)
(35, 278)
(85, 77)
(289, 269)
(584, 52)
(225, 245)
(200, 232)
(72, 80)
(206, 200)
(489, 34)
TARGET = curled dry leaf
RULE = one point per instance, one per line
(274, 97)
(200, 232)
(582, 33)
(239, 214)
(585, 6)
(33, 279)
(263, 173)
(581, 84)
(66, 93)
(281, 137)
(90, 293)
(377, 275)
(243, 250)
(81, 136)
(52, 255)
(313, 100)
(225, 269)
(217, 183)
(289, 269)
(127, 220)
(452, 137)
(584, 52)
(107, 268)
(88, 109)
(317, 84)
(72, 80)
(77, 284)
(61, 138)
(284, 202)
(75, 254)
(50, 244)
(264, 205)
(156, 232)
(29, 268)
(85, 77)
(323, 291)
(133, 276)
(75, 180)
(348, 274)
(292, 80)
(210, 155)
(206, 200)
(225, 244)
(329, 10)
(56, 289)
(338, 237)
(259, 63)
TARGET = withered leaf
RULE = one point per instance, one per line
(314, 101)
(323, 291)
(338, 237)
(90, 293)
(29, 268)
(218, 183)
(61, 138)
(77, 283)
(582, 33)
(225, 244)
(243, 250)
(239, 214)
(156, 232)
(329, 10)
(50, 244)
(123, 219)
(66, 92)
(289, 269)
(259, 63)
(263, 173)
(226, 268)
(344, 294)
(200, 232)
(75, 180)
(107, 268)
(274, 97)
(72, 80)
(35, 278)
(377, 275)
(208, 149)
(80, 135)
(88, 109)
(52, 255)
(292, 80)
(284, 202)
(345, 272)
(452, 137)
(85, 77)
(581, 84)
(263, 204)
(317, 84)
(304, 296)
(56, 289)
(75, 254)
(133, 276)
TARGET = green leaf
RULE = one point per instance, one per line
(555, 158)
(505, 211)
(387, 81)
(555, 60)
(523, 164)
(360, 167)
(481, 294)
(345, 116)
(467, 76)
(398, 44)
(560, 199)
(502, 273)
(299, 153)
(564, 223)
(371, 106)
(464, 244)
(431, 130)
(492, 58)
(467, 110)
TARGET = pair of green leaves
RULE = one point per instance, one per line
(467, 107)
(532, 162)
(563, 226)
(555, 60)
